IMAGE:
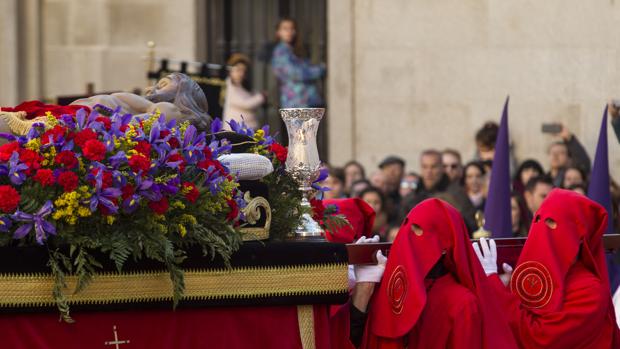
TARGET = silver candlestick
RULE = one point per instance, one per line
(303, 161)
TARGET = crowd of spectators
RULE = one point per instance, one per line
(392, 189)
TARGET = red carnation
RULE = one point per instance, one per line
(144, 148)
(6, 150)
(45, 177)
(234, 210)
(107, 123)
(318, 209)
(139, 163)
(31, 159)
(9, 199)
(192, 192)
(127, 191)
(67, 159)
(68, 181)
(280, 152)
(205, 164)
(159, 207)
(94, 150)
(54, 134)
(83, 136)
(175, 158)
(174, 142)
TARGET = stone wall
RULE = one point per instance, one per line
(406, 75)
(104, 41)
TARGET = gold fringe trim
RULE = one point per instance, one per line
(239, 283)
(305, 319)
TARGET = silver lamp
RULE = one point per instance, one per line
(303, 161)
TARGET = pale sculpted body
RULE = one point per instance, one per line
(176, 96)
(132, 104)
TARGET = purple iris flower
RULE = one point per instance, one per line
(193, 145)
(36, 130)
(108, 141)
(118, 179)
(9, 137)
(131, 203)
(105, 197)
(16, 174)
(118, 159)
(147, 188)
(83, 121)
(5, 224)
(172, 186)
(323, 173)
(42, 227)
(241, 128)
(119, 121)
(216, 125)
(67, 120)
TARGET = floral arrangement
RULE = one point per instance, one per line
(284, 194)
(124, 186)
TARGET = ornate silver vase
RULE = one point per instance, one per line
(303, 161)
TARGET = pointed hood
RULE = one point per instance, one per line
(497, 213)
(598, 190)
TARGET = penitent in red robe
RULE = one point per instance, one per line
(450, 319)
(434, 293)
(559, 293)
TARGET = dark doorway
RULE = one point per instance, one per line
(248, 26)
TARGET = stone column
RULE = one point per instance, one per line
(31, 69)
(341, 80)
(8, 53)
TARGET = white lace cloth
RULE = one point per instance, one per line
(247, 166)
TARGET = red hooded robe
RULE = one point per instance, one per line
(559, 293)
(454, 310)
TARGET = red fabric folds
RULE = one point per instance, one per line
(248, 327)
(360, 215)
(34, 109)
(402, 305)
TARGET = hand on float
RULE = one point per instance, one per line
(488, 255)
(370, 273)
(505, 277)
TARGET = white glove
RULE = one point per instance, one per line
(488, 256)
(370, 273)
(505, 277)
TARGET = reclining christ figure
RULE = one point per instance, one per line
(176, 96)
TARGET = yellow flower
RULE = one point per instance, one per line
(110, 219)
(51, 120)
(178, 204)
(182, 230)
(188, 219)
(34, 144)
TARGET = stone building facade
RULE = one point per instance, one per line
(403, 75)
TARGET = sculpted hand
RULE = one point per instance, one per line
(488, 255)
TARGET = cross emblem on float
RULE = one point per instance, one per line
(116, 342)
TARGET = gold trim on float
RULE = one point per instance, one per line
(252, 212)
(305, 319)
(33, 290)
